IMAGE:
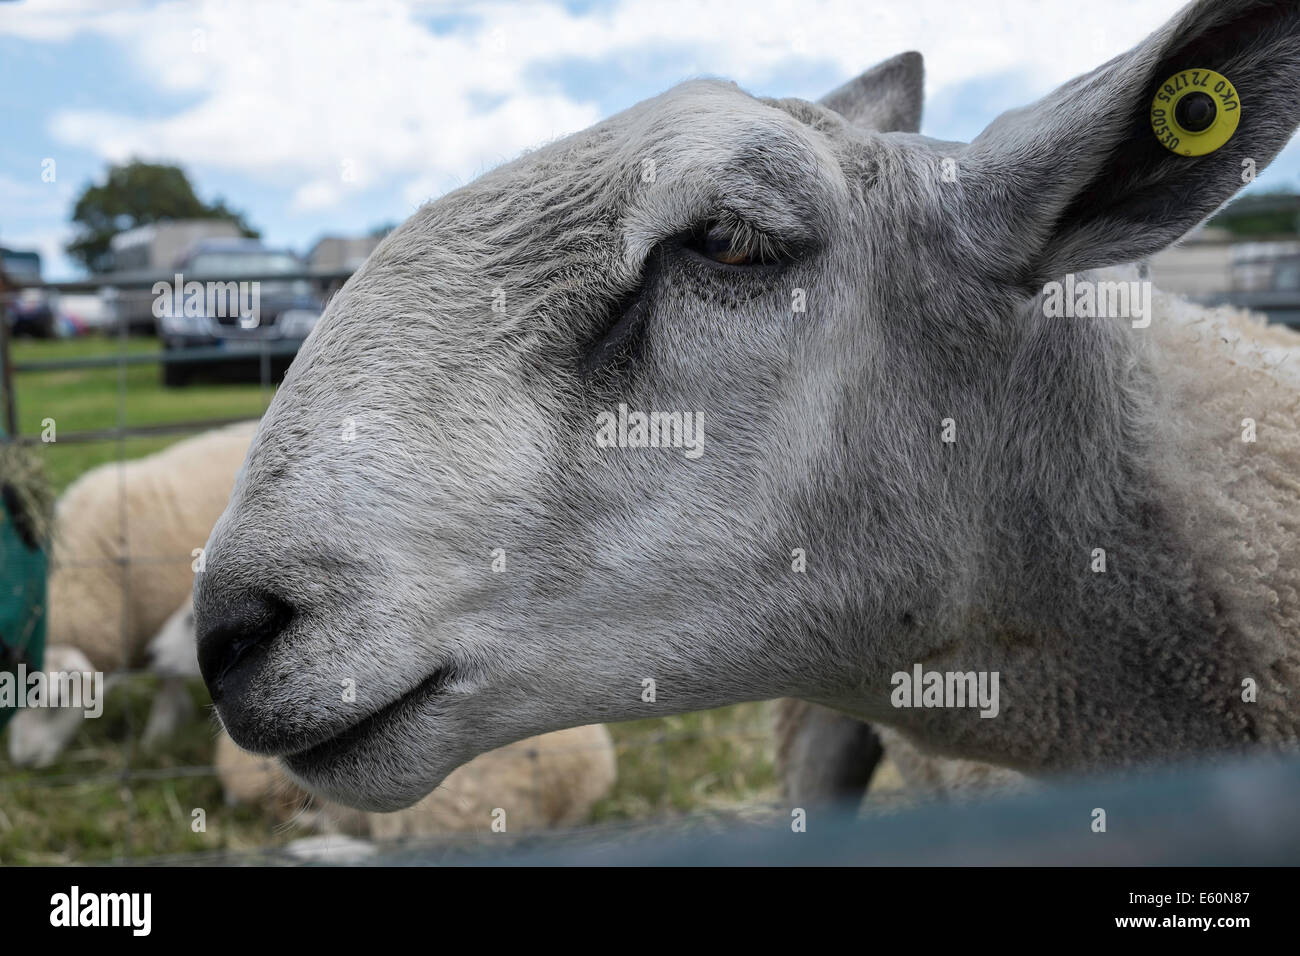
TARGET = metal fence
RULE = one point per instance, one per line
(114, 798)
(110, 288)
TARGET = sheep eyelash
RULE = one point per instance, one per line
(747, 239)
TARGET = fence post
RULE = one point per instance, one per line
(9, 427)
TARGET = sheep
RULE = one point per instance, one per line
(1217, 354)
(123, 543)
(543, 782)
(909, 457)
(171, 651)
(827, 757)
(38, 736)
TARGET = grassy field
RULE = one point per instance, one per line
(93, 399)
(105, 799)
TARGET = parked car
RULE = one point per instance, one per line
(32, 313)
(152, 251)
(28, 311)
(231, 299)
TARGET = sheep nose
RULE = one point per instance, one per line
(229, 633)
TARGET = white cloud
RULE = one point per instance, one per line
(32, 197)
(294, 94)
(62, 19)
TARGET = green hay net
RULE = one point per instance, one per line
(26, 510)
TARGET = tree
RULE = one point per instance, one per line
(1265, 214)
(135, 194)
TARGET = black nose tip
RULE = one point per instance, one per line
(229, 632)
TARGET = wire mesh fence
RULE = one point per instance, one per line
(113, 793)
(118, 791)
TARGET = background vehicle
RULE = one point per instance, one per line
(154, 251)
(30, 311)
(234, 275)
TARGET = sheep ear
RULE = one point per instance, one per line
(1082, 179)
(888, 97)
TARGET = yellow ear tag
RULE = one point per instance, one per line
(1195, 112)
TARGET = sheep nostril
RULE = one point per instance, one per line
(231, 631)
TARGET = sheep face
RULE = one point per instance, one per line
(722, 399)
(439, 495)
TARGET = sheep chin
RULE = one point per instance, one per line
(389, 760)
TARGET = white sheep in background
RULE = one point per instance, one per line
(547, 781)
(37, 737)
(125, 534)
(552, 780)
(124, 537)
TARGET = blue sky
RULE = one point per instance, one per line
(333, 117)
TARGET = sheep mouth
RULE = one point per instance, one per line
(368, 727)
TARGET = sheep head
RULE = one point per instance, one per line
(730, 398)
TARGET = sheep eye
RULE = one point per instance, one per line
(716, 242)
(719, 244)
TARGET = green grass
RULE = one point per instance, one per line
(86, 809)
(712, 760)
(83, 809)
(93, 399)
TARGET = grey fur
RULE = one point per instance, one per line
(474, 432)
(887, 98)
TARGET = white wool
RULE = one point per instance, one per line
(150, 513)
(38, 735)
(100, 617)
(549, 781)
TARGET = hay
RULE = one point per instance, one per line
(27, 493)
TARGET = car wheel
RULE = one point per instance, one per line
(175, 374)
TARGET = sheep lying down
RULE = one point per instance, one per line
(103, 621)
(548, 781)
(37, 737)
